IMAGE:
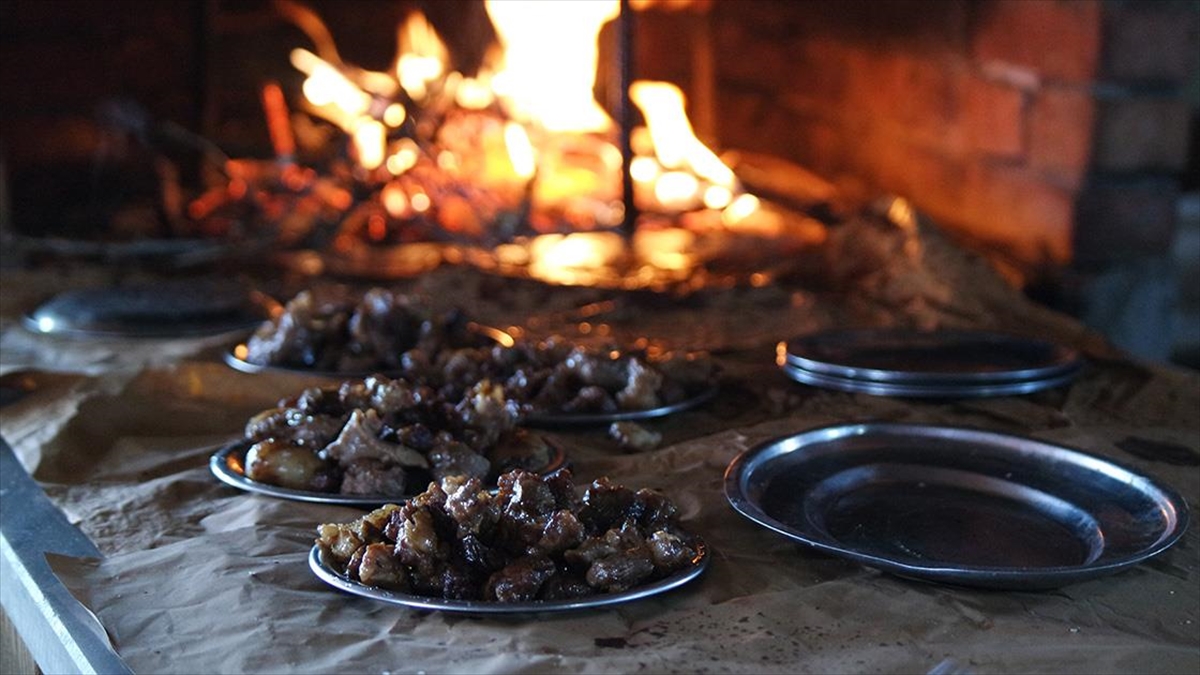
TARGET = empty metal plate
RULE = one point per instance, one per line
(943, 357)
(956, 505)
(172, 308)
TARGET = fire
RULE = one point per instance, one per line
(369, 140)
(520, 150)
(549, 62)
(522, 155)
(676, 148)
(422, 56)
(576, 258)
(337, 98)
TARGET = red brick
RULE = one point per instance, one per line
(1134, 134)
(821, 146)
(756, 63)
(778, 19)
(755, 122)
(1125, 220)
(930, 179)
(747, 59)
(1013, 208)
(1172, 29)
(916, 97)
(925, 93)
(994, 117)
(738, 112)
(817, 73)
(1059, 39)
(663, 48)
(1060, 133)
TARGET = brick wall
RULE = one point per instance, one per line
(1045, 132)
(58, 60)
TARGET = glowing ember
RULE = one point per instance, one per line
(575, 258)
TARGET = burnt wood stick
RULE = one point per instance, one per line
(625, 60)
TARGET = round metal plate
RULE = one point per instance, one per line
(331, 577)
(228, 464)
(555, 419)
(944, 357)
(956, 505)
(166, 310)
(943, 390)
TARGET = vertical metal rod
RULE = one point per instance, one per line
(625, 60)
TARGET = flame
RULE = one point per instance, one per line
(394, 115)
(395, 200)
(370, 138)
(742, 208)
(403, 157)
(675, 144)
(326, 87)
(422, 57)
(550, 58)
(525, 139)
(677, 190)
(520, 150)
(475, 93)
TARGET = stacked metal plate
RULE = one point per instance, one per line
(933, 364)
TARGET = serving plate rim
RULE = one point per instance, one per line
(218, 465)
(1067, 358)
(1005, 577)
(326, 574)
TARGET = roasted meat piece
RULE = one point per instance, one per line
(373, 477)
(291, 466)
(380, 567)
(340, 330)
(532, 540)
(520, 580)
(555, 375)
(375, 436)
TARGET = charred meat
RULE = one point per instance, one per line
(531, 540)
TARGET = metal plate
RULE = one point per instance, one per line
(165, 310)
(941, 357)
(228, 464)
(956, 505)
(177, 253)
(913, 390)
(553, 419)
(331, 577)
(235, 358)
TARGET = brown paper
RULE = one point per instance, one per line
(216, 581)
(199, 577)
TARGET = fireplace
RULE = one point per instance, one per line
(1042, 134)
